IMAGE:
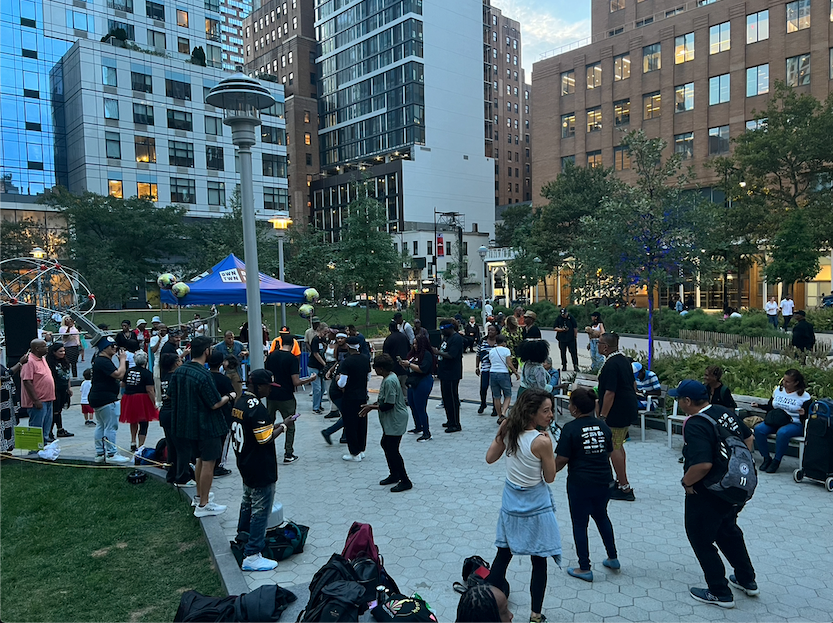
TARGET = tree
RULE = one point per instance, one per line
(368, 258)
(311, 261)
(647, 233)
(18, 238)
(458, 274)
(526, 269)
(515, 226)
(794, 257)
(117, 244)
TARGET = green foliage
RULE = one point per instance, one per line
(311, 261)
(794, 257)
(18, 238)
(198, 56)
(527, 269)
(116, 244)
(516, 227)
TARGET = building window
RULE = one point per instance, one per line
(212, 29)
(567, 160)
(115, 188)
(651, 105)
(275, 198)
(183, 46)
(143, 114)
(798, 70)
(594, 119)
(594, 158)
(274, 165)
(180, 120)
(594, 75)
(719, 38)
(156, 40)
(141, 82)
(757, 80)
(212, 5)
(684, 48)
(111, 109)
(109, 76)
(309, 160)
(112, 145)
(718, 89)
(180, 154)
(113, 26)
(757, 27)
(121, 5)
(568, 125)
(684, 97)
(684, 145)
(621, 67)
(416, 247)
(621, 112)
(798, 15)
(307, 138)
(147, 190)
(306, 116)
(651, 58)
(182, 18)
(214, 158)
(155, 11)
(621, 158)
(183, 190)
(213, 126)
(75, 20)
(272, 135)
(145, 148)
(216, 193)
(755, 124)
(831, 52)
(177, 89)
(568, 82)
(719, 140)
(213, 56)
(616, 5)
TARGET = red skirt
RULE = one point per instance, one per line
(137, 408)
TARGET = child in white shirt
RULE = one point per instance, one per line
(86, 409)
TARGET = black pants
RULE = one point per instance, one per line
(710, 521)
(787, 320)
(587, 502)
(573, 347)
(355, 427)
(537, 585)
(396, 464)
(450, 391)
(484, 387)
(179, 458)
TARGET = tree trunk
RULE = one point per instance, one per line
(546, 293)
(367, 313)
(650, 323)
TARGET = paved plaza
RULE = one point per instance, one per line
(424, 534)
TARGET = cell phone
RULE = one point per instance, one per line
(292, 418)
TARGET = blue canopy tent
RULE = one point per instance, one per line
(225, 284)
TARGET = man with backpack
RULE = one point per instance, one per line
(719, 478)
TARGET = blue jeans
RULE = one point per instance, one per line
(418, 401)
(106, 425)
(501, 384)
(42, 418)
(782, 438)
(596, 359)
(317, 390)
(254, 515)
(773, 320)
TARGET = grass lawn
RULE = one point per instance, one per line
(85, 545)
(232, 318)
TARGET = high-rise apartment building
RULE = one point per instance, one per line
(400, 88)
(507, 107)
(693, 74)
(107, 98)
(280, 46)
(231, 29)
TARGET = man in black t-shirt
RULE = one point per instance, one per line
(317, 350)
(104, 397)
(617, 406)
(530, 330)
(352, 379)
(286, 370)
(449, 372)
(566, 332)
(224, 386)
(253, 433)
(710, 520)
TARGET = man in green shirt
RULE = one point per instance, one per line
(393, 415)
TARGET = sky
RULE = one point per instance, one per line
(547, 24)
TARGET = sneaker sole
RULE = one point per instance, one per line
(256, 570)
(722, 604)
(748, 591)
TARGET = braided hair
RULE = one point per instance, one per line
(478, 604)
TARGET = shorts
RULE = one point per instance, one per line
(87, 410)
(207, 449)
(619, 436)
(501, 383)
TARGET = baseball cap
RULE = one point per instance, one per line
(563, 310)
(354, 342)
(285, 330)
(156, 319)
(530, 314)
(690, 389)
(636, 367)
(800, 312)
(262, 377)
(105, 342)
(316, 319)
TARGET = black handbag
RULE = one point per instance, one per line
(776, 418)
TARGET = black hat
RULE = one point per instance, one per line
(354, 342)
(262, 377)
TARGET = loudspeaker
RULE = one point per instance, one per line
(20, 326)
(426, 310)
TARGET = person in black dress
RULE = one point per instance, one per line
(352, 380)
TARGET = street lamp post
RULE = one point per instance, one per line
(482, 251)
(39, 254)
(281, 222)
(242, 98)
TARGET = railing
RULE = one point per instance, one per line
(501, 254)
(768, 343)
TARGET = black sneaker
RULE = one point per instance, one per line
(446, 424)
(704, 595)
(481, 409)
(773, 466)
(750, 589)
(453, 429)
(415, 431)
(626, 495)
(332, 415)
(390, 480)
(424, 438)
(133, 447)
(404, 485)
(342, 440)
(326, 437)
(219, 472)
(765, 464)
(62, 432)
(290, 458)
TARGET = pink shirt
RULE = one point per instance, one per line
(37, 370)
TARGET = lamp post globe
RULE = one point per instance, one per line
(242, 98)
(281, 223)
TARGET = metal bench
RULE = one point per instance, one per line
(655, 405)
(581, 380)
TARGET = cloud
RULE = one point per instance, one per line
(546, 25)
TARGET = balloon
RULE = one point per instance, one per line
(311, 294)
(166, 281)
(306, 310)
(180, 289)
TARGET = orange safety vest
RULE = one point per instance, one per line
(276, 343)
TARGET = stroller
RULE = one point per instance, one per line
(817, 463)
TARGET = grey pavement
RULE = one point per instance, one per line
(424, 534)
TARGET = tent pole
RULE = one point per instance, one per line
(179, 316)
(275, 309)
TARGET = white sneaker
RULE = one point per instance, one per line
(190, 483)
(209, 509)
(440, 406)
(256, 562)
(195, 501)
(118, 458)
(350, 457)
(361, 454)
(99, 458)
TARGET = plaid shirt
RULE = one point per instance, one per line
(192, 394)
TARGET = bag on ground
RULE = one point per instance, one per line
(475, 571)
(334, 593)
(362, 552)
(401, 608)
(818, 441)
(265, 603)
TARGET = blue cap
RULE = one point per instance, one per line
(690, 389)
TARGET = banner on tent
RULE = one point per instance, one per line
(233, 275)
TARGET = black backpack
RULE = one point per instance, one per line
(335, 593)
(737, 476)
(475, 571)
(265, 603)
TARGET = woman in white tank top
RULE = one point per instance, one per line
(526, 525)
